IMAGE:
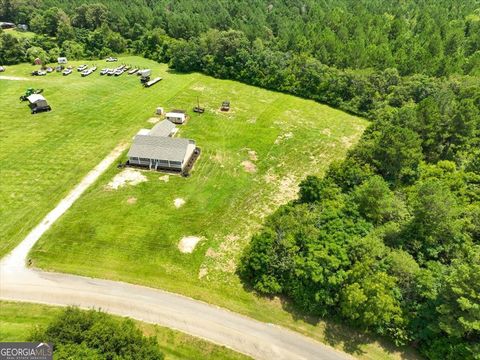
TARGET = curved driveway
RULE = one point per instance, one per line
(251, 337)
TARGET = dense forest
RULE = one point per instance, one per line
(389, 240)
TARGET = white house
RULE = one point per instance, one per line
(176, 117)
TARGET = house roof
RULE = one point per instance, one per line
(163, 128)
(175, 114)
(34, 98)
(159, 148)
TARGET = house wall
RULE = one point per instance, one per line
(156, 164)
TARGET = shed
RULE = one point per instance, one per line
(176, 117)
(158, 152)
(37, 100)
(62, 60)
(164, 128)
(38, 61)
(22, 27)
(159, 111)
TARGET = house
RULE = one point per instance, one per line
(158, 152)
(176, 117)
(62, 60)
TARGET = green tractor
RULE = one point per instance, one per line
(30, 91)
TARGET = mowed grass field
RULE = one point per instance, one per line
(18, 319)
(251, 162)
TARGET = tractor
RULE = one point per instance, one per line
(30, 91)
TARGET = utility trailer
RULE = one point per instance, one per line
(152, 82)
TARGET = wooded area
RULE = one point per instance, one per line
(389, 240)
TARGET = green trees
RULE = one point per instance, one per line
(78, 334)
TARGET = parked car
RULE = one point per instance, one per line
(104, 71)
(49, 69)
(111, 72)
(2, 68)
(118, 72)
(67, 72)
(111, 59)
(86, 72)
(94, 68)
(81, 67)
(38, 73)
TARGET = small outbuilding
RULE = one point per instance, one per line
(176, 117)
(62, 60)
(22, 27)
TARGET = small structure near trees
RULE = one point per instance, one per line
(62, 60)
(176, 117)
(225, 106)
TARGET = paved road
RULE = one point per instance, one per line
(254, 338)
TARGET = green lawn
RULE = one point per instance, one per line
(18, 319)
(132, 234)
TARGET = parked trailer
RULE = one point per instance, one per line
(152, 82)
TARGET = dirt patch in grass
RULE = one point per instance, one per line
(283, 137)
(249, 166)
(178, 202)
(132, 200)
(327, 132)
(287, 190)
(187, 244)
(14, 78)
(164, 178)
(252, 154)
(153, 120)
(126, 177)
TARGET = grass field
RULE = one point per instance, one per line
(252, 160)
(18, 319)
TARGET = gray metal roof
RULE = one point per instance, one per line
(163, 128)
(34, 98)
(159, 148)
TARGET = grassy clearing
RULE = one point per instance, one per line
(18, 319)
(252, 160)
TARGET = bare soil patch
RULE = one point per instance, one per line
(188, 243)
(14, 78)
(249, 166)
(132, 200)
(153, 120)
(252, 154)
(126, 177)
(164, 178)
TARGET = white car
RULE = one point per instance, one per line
(93, 68)
(104, 71)
(2, 69)
(82, 67)
(86, 72)
(66, 72)
(111, 72)
(118, 72)
(111, 59)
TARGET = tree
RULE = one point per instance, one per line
(377, 203)
(96, 335)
